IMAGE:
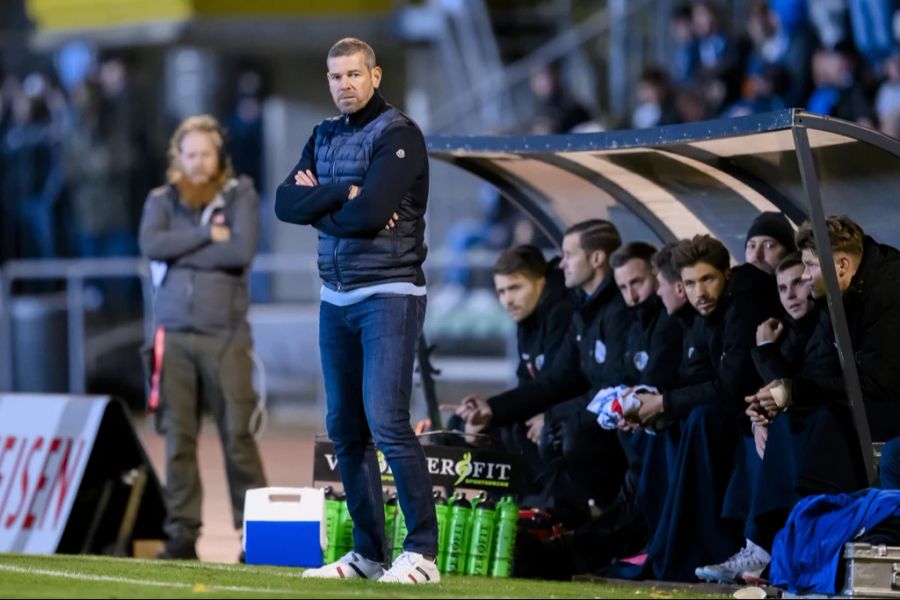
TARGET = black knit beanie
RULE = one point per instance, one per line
(776, 226)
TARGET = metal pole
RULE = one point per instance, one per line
(75, 304)
(835, 298)
(618, 57)
(6, 355)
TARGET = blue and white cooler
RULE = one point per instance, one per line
(284, 526)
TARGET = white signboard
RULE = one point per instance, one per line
(45, 443)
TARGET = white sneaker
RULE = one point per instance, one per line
(349, 566)
(410, 568)
(748, 564)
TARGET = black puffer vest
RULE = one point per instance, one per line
(343, 154)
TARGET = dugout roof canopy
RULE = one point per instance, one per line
(675, 181)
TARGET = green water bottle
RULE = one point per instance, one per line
(332, 514)
(443, 550)
(399, 533)
(442, 512)
(507, 520)
(481, 536)
(457, 539)
(345, 530)
(390, 512)
(481, 497)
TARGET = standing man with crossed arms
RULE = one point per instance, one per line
(362, 182)
(200, 232)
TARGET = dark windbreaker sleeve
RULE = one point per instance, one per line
(398, 159)
(664, 354)
(304, 205)
(735, 374)
(772, 361)
(563, 381)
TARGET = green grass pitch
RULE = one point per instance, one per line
(58, 576)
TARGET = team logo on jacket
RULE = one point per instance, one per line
(641, 359)
(691, 352)
(401, 153)
(600, 352)
(539, 362)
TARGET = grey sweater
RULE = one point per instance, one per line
(205, 286)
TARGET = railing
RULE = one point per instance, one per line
(74, 273)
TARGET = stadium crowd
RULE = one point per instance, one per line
(833, 57)
(72, 141)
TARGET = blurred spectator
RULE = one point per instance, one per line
(8, 90)
(98, 160)
(837, 92)
(125, 102)
(759, 91)
(721, 54)
(557, 111)
(690, 106)
(655, 103)
(33, 168)
(787, 48)
(871, 24)
(829, 19)
(684, 51)
(245, 128)
(792, 14)
(887, 103)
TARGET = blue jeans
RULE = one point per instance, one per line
(890, 465)
(368, 350)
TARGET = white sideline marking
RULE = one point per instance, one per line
(290, 572)
(147, 582)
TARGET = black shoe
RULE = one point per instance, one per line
(242, 557)
(179, 549)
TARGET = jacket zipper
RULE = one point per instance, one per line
(334, 254)
(337, 268)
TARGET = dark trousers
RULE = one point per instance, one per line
(514, 439)
(807, 452)
(691, 531)
(215, 370)
(890, 465)
(658, 458)
(367, 351)
(584, 462)
(742, 485)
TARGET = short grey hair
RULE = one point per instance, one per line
(349, 46)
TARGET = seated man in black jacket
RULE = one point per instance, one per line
(652, 357)
(589, 359)
(869, 279)
(716, 374)
(798, 343)
(826, 450)
(652, 353)
(533, 293)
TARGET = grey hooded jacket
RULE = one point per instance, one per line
(204, 285)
